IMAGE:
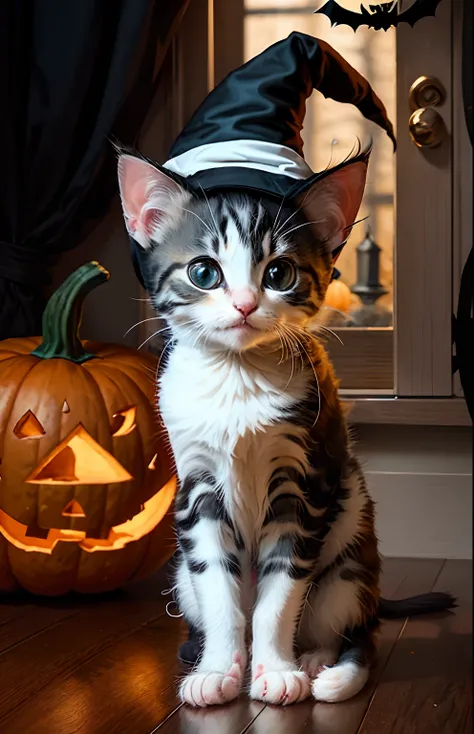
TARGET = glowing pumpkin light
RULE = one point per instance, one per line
(86, 483)
(338, 296)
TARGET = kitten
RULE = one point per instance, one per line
(268, 479)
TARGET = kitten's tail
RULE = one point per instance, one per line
(433, 601)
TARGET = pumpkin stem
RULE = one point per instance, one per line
(63, 315)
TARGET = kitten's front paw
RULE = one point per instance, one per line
(340, 682)
(280, 687)
(209, 689)
(316, 661)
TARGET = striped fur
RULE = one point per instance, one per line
(269, 484)
(288, 500)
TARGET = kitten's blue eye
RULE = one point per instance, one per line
(279, 275)
(205, 274)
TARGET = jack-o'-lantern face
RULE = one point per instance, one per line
(100, 495)
(84, 464)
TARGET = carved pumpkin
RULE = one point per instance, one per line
(86, 483)
(338, 295)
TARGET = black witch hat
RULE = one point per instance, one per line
(246, 135)
(247, 132)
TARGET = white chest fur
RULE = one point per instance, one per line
(226, 410)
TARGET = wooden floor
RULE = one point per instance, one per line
(108, 665)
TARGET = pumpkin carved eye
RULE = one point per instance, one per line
(124, 421)
(28, 426)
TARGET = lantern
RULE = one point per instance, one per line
(86, 482)
(368, 287)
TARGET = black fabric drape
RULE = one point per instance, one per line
(71, 74)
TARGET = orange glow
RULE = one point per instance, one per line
(79, 459)
(28, 426)
(124, 421)
(73, 509)
(152, 464)
(338, 296)
(119, 536)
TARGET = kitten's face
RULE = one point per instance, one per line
(227, 272)
(234, 271)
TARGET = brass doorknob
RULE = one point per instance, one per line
(426, 91)
(426, 128)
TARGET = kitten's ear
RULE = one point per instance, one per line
(332, 203)
(147, 194)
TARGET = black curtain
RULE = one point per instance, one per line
(72, 75)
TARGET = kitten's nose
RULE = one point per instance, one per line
(245, 302)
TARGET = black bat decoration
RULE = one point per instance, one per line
(381, 17)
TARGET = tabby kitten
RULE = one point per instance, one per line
(269, 483)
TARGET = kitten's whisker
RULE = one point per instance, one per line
(198, 217)
(358, 221)
(295, 212)
(292, 372)
(298, 226)
(152, 336)
(300, 341)
(282, 356)
(278, 230)
(284, 335)
(282, 342)
(330, 331)
(171, 341)
(210, 210)
(290, 332)
(156, 333)
(338, 311)
(276, 222)
(152, 318)
(286, 349)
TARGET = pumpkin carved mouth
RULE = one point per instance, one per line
(119, 536)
